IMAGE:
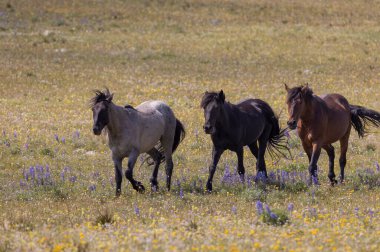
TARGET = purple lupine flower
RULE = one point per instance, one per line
(178, 183)
(234, 209)
(56, 138)
(290, 207)
(22, 183)
(181, 195)
(267, 209)
(26, 146)
(315, 180)
(66, 169)
(377, 166)
(63, 176)
(137, 210)
(63, 140)
(77, 134)
(249, 184)
(357, 212)
(72, 179)
(7, 143)
(15, 134)
(259, 207)
(92, 188)
(32, 172)
(273, 215)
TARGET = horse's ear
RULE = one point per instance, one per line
(305, 90)
(110, 97)
(286, 87)
(221, 96)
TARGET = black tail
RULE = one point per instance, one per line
(361, 117)
(180, 134)
(278, 141)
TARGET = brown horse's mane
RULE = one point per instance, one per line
(305, 92)
(100, 96)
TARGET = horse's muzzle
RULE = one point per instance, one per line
(97, 131)
(292, 124)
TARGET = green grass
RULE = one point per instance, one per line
(55, 53)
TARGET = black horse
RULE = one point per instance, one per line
(233, 126)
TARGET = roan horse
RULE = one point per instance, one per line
(149, 128)
(323, 120)
(234, 126)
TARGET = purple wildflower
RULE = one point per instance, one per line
(291, 207)
(181, 195)
(357, 212)
(72, 179)
(112, 180)
(56, 138)
(286, 133)
(77, 134)
(4, 133)
(15, 134)
(92, 188)
(63, 140)
(8, 144)
(22, 183)
(259, 207)
(371, 213)
(234, 209)
(377, 166)
(137, 210)
(26, 146)
(267, 209)
(315, 180)
(63, 176)
(32, 172)
(273, 215)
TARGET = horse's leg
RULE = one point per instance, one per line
(313, 161)
(216, 153)
(330, 151)
(118, 174)
(263, 142)
(343, 152)
(255, 151)
(156, 156)
(241, 170)
(308, 148)
(129, 172)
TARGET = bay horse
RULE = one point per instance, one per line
(323, 120)
(233, 126)
(149, 128)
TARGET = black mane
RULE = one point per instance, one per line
(100, 96)
(293, 92)
(207, 98)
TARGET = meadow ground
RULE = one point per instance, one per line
(56, 178)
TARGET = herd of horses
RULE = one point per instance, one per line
(152, 128)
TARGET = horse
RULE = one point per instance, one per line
(150, 128)
(233, 126)
(323, 120)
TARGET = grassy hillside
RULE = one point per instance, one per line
(54, 53)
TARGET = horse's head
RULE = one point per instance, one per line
(99, 105)
(297, 102)
(212, 104)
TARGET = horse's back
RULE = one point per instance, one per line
(338, 112)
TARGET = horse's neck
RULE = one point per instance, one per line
(309, 114)
(115, 115)
(224, 122)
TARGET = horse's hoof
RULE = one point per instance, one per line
(139, 187)
(118, 193)
(209, 187)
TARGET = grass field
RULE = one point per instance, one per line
(57, 179)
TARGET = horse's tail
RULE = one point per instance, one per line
(278, 140)
(179, 135)
(361, 117)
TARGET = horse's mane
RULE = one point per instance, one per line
(100, 96)
(207, 98)
(293, 92)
